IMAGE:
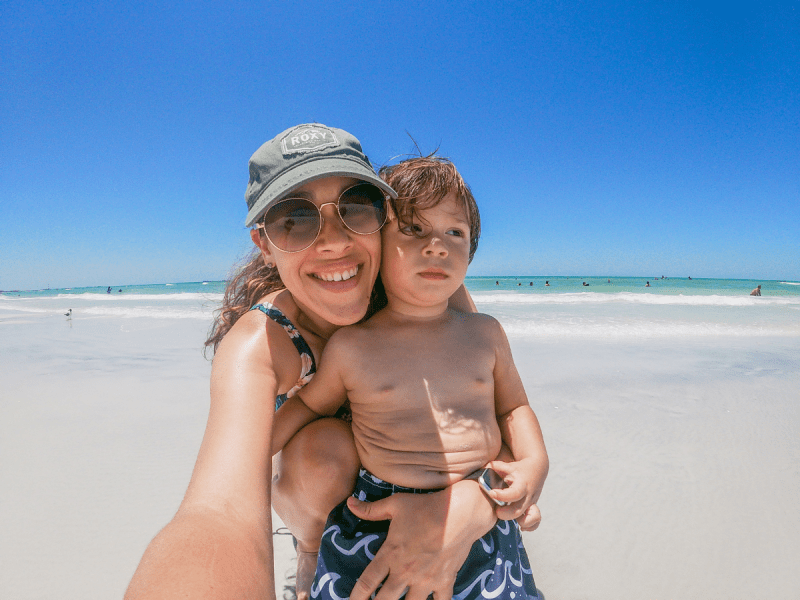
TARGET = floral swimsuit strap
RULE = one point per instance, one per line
(309, 366)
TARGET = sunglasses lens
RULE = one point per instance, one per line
(292, 225)
(363, 208)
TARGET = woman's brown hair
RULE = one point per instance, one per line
(250, 282)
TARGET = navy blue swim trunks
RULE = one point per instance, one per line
(497, 567)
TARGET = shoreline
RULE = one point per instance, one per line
(473, 283)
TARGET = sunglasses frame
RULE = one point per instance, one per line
(261, 224)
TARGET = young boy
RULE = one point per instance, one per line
(433, 392)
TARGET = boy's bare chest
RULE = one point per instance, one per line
(425, 374)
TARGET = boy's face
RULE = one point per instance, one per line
(422, 271)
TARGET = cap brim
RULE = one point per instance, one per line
(309, 171)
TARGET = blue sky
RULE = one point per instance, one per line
(600, 138)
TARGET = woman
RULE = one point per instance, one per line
(310, 276)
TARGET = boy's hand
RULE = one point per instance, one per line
(530, 519)
(522, 493)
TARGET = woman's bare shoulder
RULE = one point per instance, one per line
(256, 343)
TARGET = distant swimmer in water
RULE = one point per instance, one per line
(547, 283)
(108, 291)
(585, 284)
(119, 290)
(757, 291)
(531, 283)
(647, 284)
(497, 283)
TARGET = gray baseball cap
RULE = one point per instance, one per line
(302, 154)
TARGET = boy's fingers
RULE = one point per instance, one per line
(503, 468)
(531, 519)
(513, 493)
(508, 513)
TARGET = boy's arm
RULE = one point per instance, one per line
(323, 395)
(289, 419)
(520, 430)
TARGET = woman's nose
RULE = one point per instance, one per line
(334, 234)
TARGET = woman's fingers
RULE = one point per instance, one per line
(380, 510)
(444, 593)
(391, 590)
(370, 580)
(417, 593)
(378, 570)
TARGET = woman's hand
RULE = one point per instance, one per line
(429, 538)
(524, 487)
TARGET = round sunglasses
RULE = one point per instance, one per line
(293, 224)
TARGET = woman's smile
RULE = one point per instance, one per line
(339, 275)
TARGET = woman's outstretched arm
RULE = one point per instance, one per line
(219, 544)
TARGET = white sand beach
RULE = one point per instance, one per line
(674, 460)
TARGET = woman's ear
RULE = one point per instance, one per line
(261, 242)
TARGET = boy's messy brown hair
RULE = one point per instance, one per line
(422, 183)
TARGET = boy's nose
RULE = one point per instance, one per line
(436, 248)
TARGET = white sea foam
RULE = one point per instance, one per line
(631, 298)
(155, 312)
(135, 298)
(610, 329)
(160, 306)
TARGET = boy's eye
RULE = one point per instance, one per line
(456, 232)
(412, 229)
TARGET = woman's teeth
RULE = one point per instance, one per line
(342, 276)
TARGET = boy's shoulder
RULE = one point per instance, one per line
(349, 335)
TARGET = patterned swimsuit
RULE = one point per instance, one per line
(309, 365)
(497, 567)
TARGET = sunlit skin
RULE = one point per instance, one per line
(337, 251)
(421, 273)
(219, 544)
(431, 389)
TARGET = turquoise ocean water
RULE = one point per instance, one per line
(617, 307)
(519, 284)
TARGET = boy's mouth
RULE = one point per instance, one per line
(339, 275)
(433, 274)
